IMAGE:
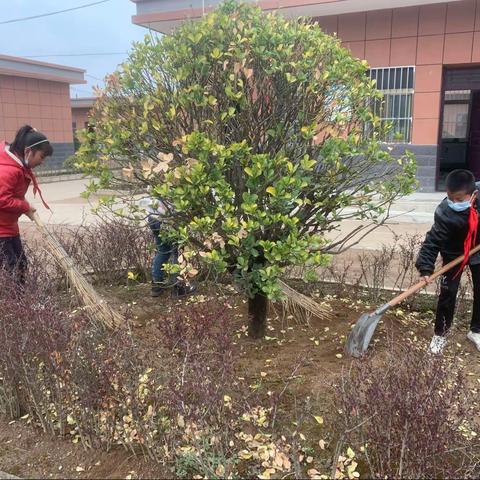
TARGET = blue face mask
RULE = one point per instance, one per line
(458, 206)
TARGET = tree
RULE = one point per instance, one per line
(258, 132)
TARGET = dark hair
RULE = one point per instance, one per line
(28, 136)
(460, 181)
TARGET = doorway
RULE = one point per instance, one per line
(473, 152)
(460, 132)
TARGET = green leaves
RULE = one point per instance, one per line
(265, 120)
(212, 100)
(216, 53)
(231, 94)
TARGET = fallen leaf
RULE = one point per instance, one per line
(319, 419)
(127, 172)
(161, 167)
(313, 472)
(193, 272)
(180, 421)
(248, 72)
(266, 474)
(165, 157)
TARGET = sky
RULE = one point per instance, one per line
(103, 28)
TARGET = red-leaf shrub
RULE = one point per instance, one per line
(109, 249)
(106, 252)
(199, 343)
(412, 414)
(106, 388)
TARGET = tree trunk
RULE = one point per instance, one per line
(257, 311)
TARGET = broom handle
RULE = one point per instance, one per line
(418, 286)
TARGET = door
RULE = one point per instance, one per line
(454, 133)
(474, 141)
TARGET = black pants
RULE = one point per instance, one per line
(448, 297)
(12, 257)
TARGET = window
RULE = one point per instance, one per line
(74, 126)
(395, 108)
(455, 114)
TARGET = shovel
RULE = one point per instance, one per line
(363, 331)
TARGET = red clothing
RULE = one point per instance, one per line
(14, 182)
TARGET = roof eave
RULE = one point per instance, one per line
(25, 67)
(166, 20)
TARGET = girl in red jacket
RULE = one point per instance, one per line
(27, 151)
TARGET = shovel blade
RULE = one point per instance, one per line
(362, 333)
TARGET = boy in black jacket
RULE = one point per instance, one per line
(454, 233)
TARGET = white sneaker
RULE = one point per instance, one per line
(475, 338)
(437, 344)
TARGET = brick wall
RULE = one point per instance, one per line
(61, 151)
(80, 117)
(43, 104)
(428, 36)
(426, 156)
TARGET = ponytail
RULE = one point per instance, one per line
(28, 137)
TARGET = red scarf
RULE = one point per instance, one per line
(30, 174)
(36, 188)
(470, 239)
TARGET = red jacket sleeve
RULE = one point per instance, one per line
(8, 201)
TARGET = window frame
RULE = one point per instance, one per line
(398, 94)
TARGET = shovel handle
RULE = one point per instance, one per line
(418, 286)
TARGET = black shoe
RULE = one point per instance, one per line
(156, 291)
(182, 290)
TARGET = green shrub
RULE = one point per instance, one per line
(258, 133)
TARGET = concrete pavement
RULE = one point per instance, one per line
(67, 205)
(412, 215)
(384, 235)
(7, 476)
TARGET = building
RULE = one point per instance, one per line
(80, 110)
(38, 94)
(424, 54)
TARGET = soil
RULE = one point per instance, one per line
(305, 358)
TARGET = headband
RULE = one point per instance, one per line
(38, 143)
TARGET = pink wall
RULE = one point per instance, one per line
(427, 36)
(43, 104)
(80, 117)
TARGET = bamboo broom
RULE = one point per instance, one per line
(301, 306)
(96, 307)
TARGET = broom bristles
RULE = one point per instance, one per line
(300, 304)
(96, 306)
(99, 310)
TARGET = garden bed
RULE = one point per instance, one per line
(292, 363)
